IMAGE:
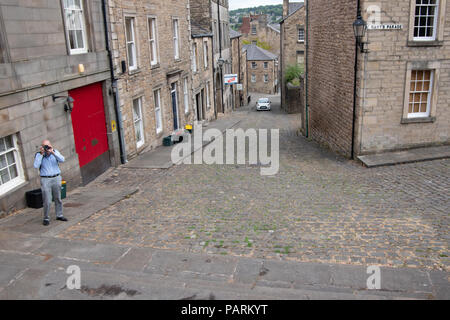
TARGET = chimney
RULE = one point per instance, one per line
(285, 8)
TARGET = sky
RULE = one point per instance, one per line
(237, 4)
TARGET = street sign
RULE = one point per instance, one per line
(239, 87)
(385, 26)
(231, 79)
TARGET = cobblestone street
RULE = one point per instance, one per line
(319, 208)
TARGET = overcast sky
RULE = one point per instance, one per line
(237, 4)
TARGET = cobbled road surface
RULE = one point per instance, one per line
(320, 207)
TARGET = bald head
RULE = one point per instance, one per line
(45, 142)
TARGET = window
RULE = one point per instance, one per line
(266, 78)
(131, 43)
(194, 57)
(75, 26)
(266, 65)
(158, 115)
(208, 104)
(253, 29)
(205, 54)
(255, 42)
(425, 19)
(152, 40)
(253, 78)
(254, 65)
(11, 173)
(138, 122)
(301, 35)
(176, 45)
(420, 93)
(186, 95)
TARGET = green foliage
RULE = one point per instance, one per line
(293, 73)
(260, 44)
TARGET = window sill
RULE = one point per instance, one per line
(418, 120)
(134, 71)
(155, 66)
(435, 43)
(19, 185)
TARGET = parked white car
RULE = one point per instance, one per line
(263, 104)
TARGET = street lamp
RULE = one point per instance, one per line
(360, 28)
(68, 105)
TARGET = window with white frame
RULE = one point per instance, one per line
(266, 65)
(158, 114)
(266, 78)
(176, 40)
(208, 104)
(253, 29)
(153, 40)
(301, 35)
(254, 65)
(11, 172)
(205, 54)
(186, 95)
(253, 78)
(75, 26)
(420, 93)
(131, 43)
(194, 57)
(138, 122)
(425, 20)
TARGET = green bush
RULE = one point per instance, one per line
(294, 72)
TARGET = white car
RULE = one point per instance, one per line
(263, 104)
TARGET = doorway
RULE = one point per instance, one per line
(173, 94)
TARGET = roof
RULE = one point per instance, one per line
(234, 34)
(255, 53)
(293, 8)
(274, 26)
(199, 32)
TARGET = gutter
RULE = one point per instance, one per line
(306, 72)
(118, 113)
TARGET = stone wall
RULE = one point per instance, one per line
(383, 75)
(292, 49)
(260, 86)
(147, 78)
(35, 65)
(331, 60)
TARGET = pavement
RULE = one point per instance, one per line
(406, 156)
(226, 232)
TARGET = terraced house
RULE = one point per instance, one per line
(54, 83)
(152, 49)
(388, 91)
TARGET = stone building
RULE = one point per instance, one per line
(202, 73)
(292, 41)
(262, 69)
(50, 53)
(399, 97)
(212, 15)
(239, 67)
(255, 29)
(152, 48)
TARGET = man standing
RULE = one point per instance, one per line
(46, 160)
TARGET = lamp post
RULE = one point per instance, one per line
(221, 62)
(360, 28)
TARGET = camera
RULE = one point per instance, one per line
(47, 148)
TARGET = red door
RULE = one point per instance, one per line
(89, 128)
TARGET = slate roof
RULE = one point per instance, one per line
(293, 8)
(199, 32)
(255, 53)
(234, 34)
(274, 26)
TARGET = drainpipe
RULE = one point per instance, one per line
(220, 54)
(355, 88)
(123, 154)
(306, 72)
